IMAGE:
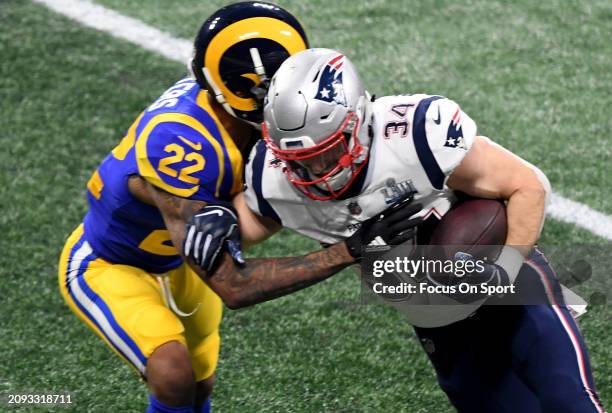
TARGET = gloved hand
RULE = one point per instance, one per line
(490, 274)
(208, 231)
(393, 226)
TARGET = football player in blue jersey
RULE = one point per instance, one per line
(179, 164)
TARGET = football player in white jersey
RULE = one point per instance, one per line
(333, 158)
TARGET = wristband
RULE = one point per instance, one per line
(511, 260)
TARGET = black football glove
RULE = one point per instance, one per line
(208, 231)
(394, 226)
(491, 275)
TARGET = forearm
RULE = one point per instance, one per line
(260, 279)
(490, 171)
(525, 214)
(263, 279)
(175, 211)
(253, 228)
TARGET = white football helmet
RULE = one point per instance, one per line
(316, 117)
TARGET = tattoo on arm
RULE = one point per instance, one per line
(178, 207)
(267, 278)
(260, 279)
(176, 211)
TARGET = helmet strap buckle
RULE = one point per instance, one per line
(217, 91)
(259, 90)
(260, 70)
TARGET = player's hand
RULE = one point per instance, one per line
(484, 272)
(393, 226)
(208, 231)
(492, 274)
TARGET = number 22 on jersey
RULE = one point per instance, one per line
(179, 155)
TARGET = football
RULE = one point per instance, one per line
(478, 225)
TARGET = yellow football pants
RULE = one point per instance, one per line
(125, 307)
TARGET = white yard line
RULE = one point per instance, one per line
(179, 50)
(122, 27)
(581, 215)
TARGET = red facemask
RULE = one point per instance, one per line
(313, 170)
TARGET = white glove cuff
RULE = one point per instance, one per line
(511, 260)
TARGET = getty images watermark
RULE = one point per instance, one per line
(469, 276)
(464, 275)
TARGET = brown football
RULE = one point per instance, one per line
(478, 225)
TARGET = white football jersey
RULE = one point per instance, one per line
(418, 140)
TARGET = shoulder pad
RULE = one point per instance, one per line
(443, 134)
(171, 97)
(181, 158)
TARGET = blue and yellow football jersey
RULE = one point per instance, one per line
(176, 144)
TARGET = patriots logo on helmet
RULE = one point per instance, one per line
(454, 136)
(330, 87)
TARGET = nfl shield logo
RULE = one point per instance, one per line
(354, 208)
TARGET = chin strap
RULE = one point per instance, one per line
(260, 71)
(258, 91)
(164, 283)
(217, 91)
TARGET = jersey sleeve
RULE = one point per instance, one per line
(254, 191)
(443, 134)
(181, 161)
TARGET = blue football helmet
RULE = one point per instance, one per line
(239, 48)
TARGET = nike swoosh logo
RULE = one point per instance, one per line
(195, 146)
(210, 213)
(436, 121)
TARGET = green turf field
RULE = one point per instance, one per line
(536, 78)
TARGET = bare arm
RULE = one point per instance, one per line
(253, 228)
(490, 171)
(263, 279)
(260, 279)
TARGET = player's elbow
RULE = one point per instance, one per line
(228, 283)
(238, 302)
(230, 297)
(234, 302)
(232, 305)
(538, 186)
(233, 298)
(244, 297)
